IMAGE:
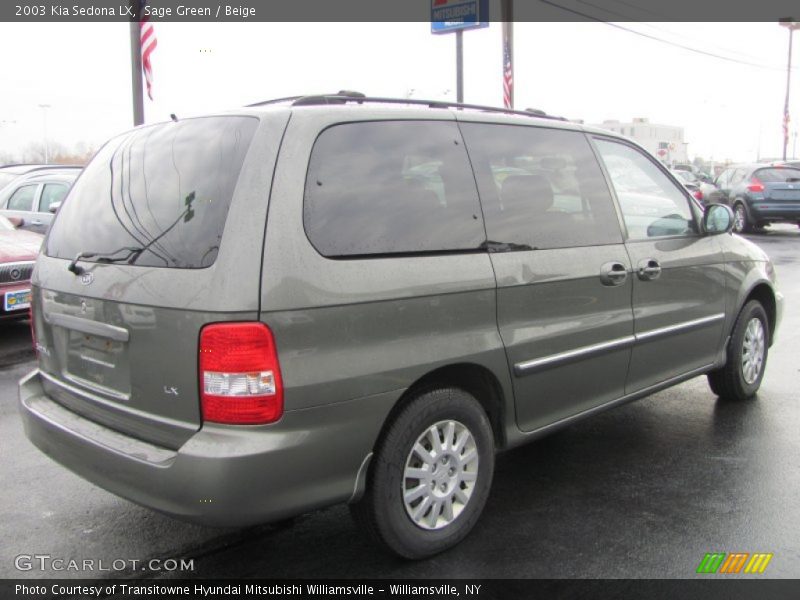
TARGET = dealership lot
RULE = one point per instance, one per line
(640, 491)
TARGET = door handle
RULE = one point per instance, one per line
(36, 222)
(649, 269)
(613, 273)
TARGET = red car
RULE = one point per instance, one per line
(18, 251)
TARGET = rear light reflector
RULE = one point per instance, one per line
(698, 194)
(240, 378)
(755, 185)
(33, 326)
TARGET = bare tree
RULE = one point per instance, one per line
(34, 152)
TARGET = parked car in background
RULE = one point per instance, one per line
(760, 194)
(706, 193)
(35, 196)
(18, 251)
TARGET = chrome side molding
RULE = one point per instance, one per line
(531, 366)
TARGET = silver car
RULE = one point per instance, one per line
(36, 196)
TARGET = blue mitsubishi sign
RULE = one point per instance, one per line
(452, 15)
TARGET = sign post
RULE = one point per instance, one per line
(448, 16)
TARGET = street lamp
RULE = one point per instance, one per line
(791, 25)
(44, 108)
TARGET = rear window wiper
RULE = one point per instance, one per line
(107, 257)
(134, 252)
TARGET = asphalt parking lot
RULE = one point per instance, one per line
(642, 491)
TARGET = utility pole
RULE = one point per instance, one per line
(136, 70)
(460, 66)
(791, 25)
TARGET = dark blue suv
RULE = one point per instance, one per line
(760, 194)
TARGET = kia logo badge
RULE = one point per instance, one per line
(87, 278)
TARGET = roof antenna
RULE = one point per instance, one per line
(173, 117)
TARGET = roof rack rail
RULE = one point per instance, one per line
(296, 100)
(273, 101)
(344, 97)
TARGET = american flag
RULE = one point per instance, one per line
(508, 76)
(147, 37)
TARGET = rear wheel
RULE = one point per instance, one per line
(747, 352)
(430, 476)
(741, 224)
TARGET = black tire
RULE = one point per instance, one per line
(731, 382)
(741, 221)
(382, 512)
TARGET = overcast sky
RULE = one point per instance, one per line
(730, 107)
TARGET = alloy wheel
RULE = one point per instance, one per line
(753, 347)
(440, 474)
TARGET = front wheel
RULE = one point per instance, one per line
(430, 476)
(747, 352)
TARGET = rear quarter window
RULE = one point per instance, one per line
(166, 188)
(391, 187)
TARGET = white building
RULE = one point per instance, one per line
(663, 141)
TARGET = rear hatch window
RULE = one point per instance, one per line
(778, 175)
(157, 196)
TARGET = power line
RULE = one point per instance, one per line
(656, 38)
(664, 16)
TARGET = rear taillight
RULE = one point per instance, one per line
(240, 378)
(698, 194)
(755, 185)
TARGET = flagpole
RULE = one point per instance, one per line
(136, 73)
(507, 8)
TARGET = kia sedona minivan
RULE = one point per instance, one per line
(341, 299)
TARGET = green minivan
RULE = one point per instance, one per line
(338, 299)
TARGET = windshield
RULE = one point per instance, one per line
(164, 189)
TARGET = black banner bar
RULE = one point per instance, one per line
(340, 11)
(707, 588)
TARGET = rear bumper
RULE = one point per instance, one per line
(223, 475)
(775, 211)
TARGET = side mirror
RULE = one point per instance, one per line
(17, 222)
(718, 218)
(54, 207)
